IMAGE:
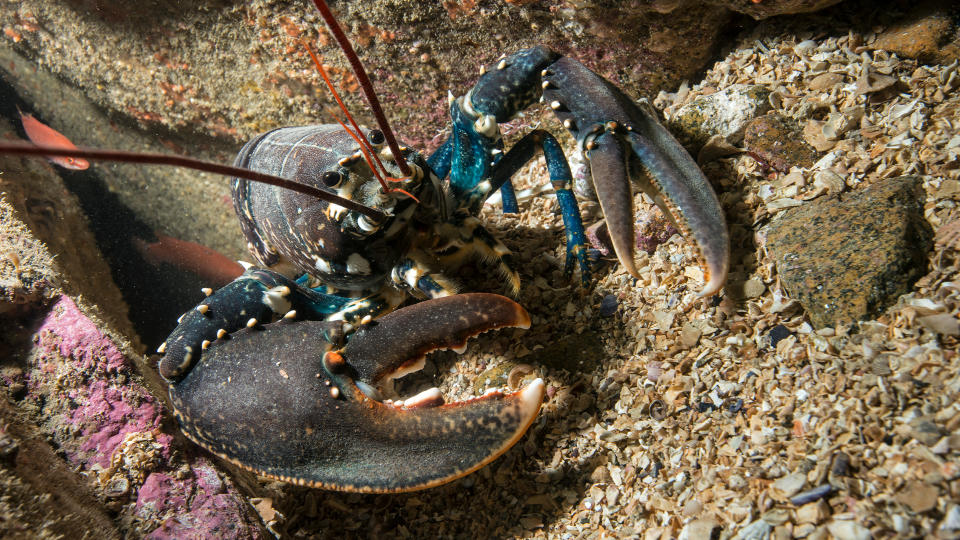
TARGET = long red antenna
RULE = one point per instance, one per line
(365, 84)
(190, 163)
(359, 136)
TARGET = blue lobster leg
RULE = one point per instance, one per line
(509, 198)
(562, 182)
(257, 296)
(441, 159)
(477, 147)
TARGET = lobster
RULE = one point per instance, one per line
(347, 224)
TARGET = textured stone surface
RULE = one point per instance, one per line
(236, 69)
(846, 259)
(929, 33)
(777, 140)
(725, 113)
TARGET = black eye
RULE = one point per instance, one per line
(375, 136)
(331, 179)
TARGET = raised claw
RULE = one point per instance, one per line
(286, 402)
(617, 135)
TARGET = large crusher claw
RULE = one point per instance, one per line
(287, 401)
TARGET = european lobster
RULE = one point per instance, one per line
(344, 248)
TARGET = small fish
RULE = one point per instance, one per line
(209, 264)
(44, 135)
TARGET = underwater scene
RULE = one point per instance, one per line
(479, 269)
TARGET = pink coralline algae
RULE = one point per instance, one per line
(106, 418)
(213, 511)
(107, 407)
(76, 336)
(91, 404)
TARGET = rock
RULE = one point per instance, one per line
(758, 530)
(919, 496)
(27, 274)
(599, 238)
(777, 140)
(171, 75)
(848, 530)
(848, 259)
(944, 324)
(725, 113)
(787, 486)
(762, 10)
(927, 33)
(698, 529)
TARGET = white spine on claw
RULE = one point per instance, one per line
(486, 125)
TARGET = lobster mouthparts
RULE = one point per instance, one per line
(284, 402)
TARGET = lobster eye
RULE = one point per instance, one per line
(331, 179)
(375, 136)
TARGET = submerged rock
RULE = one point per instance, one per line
(848, 259)
(724, 113)
(778, 140)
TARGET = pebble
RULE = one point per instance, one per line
(952, 520)
(758, 530)
(787, 486)
(777, 140)
(919, 496)
(814, 494)
(698, 529)
(944, 324)
(848, 530)
(778, 333)
(753, 288)
(690, 335)
(825, 81)
(813, 512)
(608, 306)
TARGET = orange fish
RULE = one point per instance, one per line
(44, 135)
(207, 263)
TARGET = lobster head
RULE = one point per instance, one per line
(303, 234)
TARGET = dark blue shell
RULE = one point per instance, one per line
(283, 226)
